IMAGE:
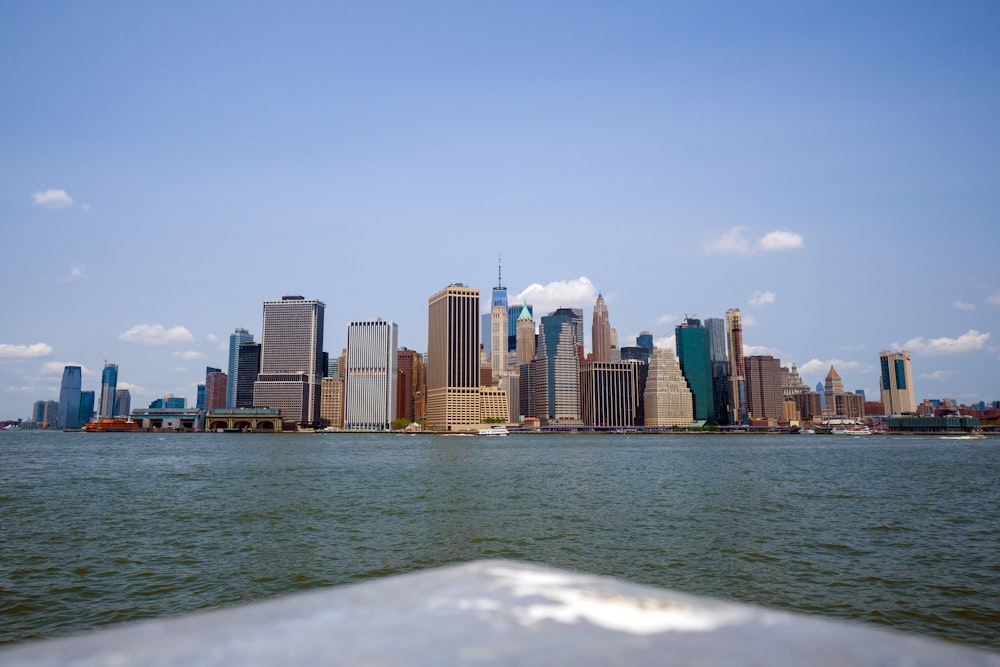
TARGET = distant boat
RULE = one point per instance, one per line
(856, 430)
(111, 425)
(494, 431)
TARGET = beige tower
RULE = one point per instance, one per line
(668, 400)
(601, 332)
(525, 330)
(453, 401)
(737, 371)
(898, 396)
(498, 340)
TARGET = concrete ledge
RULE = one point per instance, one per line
(494, 612)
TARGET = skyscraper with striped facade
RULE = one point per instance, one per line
(370, 377)
(453, 401)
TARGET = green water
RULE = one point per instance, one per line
(96, 529)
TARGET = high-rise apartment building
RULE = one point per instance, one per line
(109, 385)
(370, 376)
(668, 400)
(609, 393)
(694, 354)
(453, 401)
(69, 397)
(556, 370)
(600, 331)
(236, 339)
(765, 397)
(291, 359)
(898, 396)
(737, 378)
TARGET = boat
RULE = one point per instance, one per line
(494, 431)
(856, 430)
(111, 426)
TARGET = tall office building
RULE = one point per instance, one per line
(123, 403)
(694, 355)
(109, 385)
(608, 393)
(525, 337)
(575, 317)
(291, 359)
(556, 370)
(600, 331)
(236, 339)
(498, 329)
(668, 400)
(69, 397)
(645, 341)
(765, 397)
(832, 385)
(513, 313)
(453, 401)
(247, 369)
(737, 378)
(898, 396)
(409, 385)
(88, 401)
(370, 376)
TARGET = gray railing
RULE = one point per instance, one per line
(489, 613)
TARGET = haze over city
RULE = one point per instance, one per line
(831, 170)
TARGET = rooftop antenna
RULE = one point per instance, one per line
(499, 280)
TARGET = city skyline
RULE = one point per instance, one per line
(830, 171)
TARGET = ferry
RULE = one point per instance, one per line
(111, 425)
(494, 431)
(856, 430)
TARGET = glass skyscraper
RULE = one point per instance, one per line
(694, 355)
(109, 389)
(236, 339)
(69, 397)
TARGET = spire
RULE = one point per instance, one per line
(499, 280)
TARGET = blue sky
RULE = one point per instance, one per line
(832, 169)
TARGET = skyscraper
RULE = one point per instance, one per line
(498, 329)
(69, 397)
(409, 385)
(215, 390)
(370, 376)
(123, 403)
(109, 385)
(737, 381)
(645, 341)
(291, 359)
(87, 400)
(720, 368)
(608, 393)
(765, 397)
(525, 337)
(453, 400)
(575, 317)
(667, 396)
(694, 355)
(898, 396)
(601, 331)
(246, 374)
(555, 373)
(236, 339)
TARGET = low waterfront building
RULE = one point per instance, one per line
(914, 424)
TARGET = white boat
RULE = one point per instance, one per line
(494, 431)
(863, 430)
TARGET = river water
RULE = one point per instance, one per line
(898, 531)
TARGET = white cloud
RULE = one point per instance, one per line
(156, 334)
(760, 350)
(85, 207)
(189, 355)
(762, 298)
(961, 305)
(578, 293)
(970, 341)
(52, 199)
(994, 299)
(666, 319)
(735, 242)
(748, 321)
(937, 375)
(212, 338)
(666, 343)
(732, 242)
(818, 368)
(56, 368)
(8, 351)
(780, 240)
(76, 274)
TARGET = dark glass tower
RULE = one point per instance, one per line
(236, 340)
(694, 354)
(109, 388)
(69, 397)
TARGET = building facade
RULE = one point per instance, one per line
(69, 397)
(370, 376)
(898, 396)
(668, 400)
(237, 339)
(556, 373)
(694, 355)
(737, 378)
(109, 388)
(247, 370)
(765, 397)
(600, 332)
(291, 359)
(453, 401)
(609, 393)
